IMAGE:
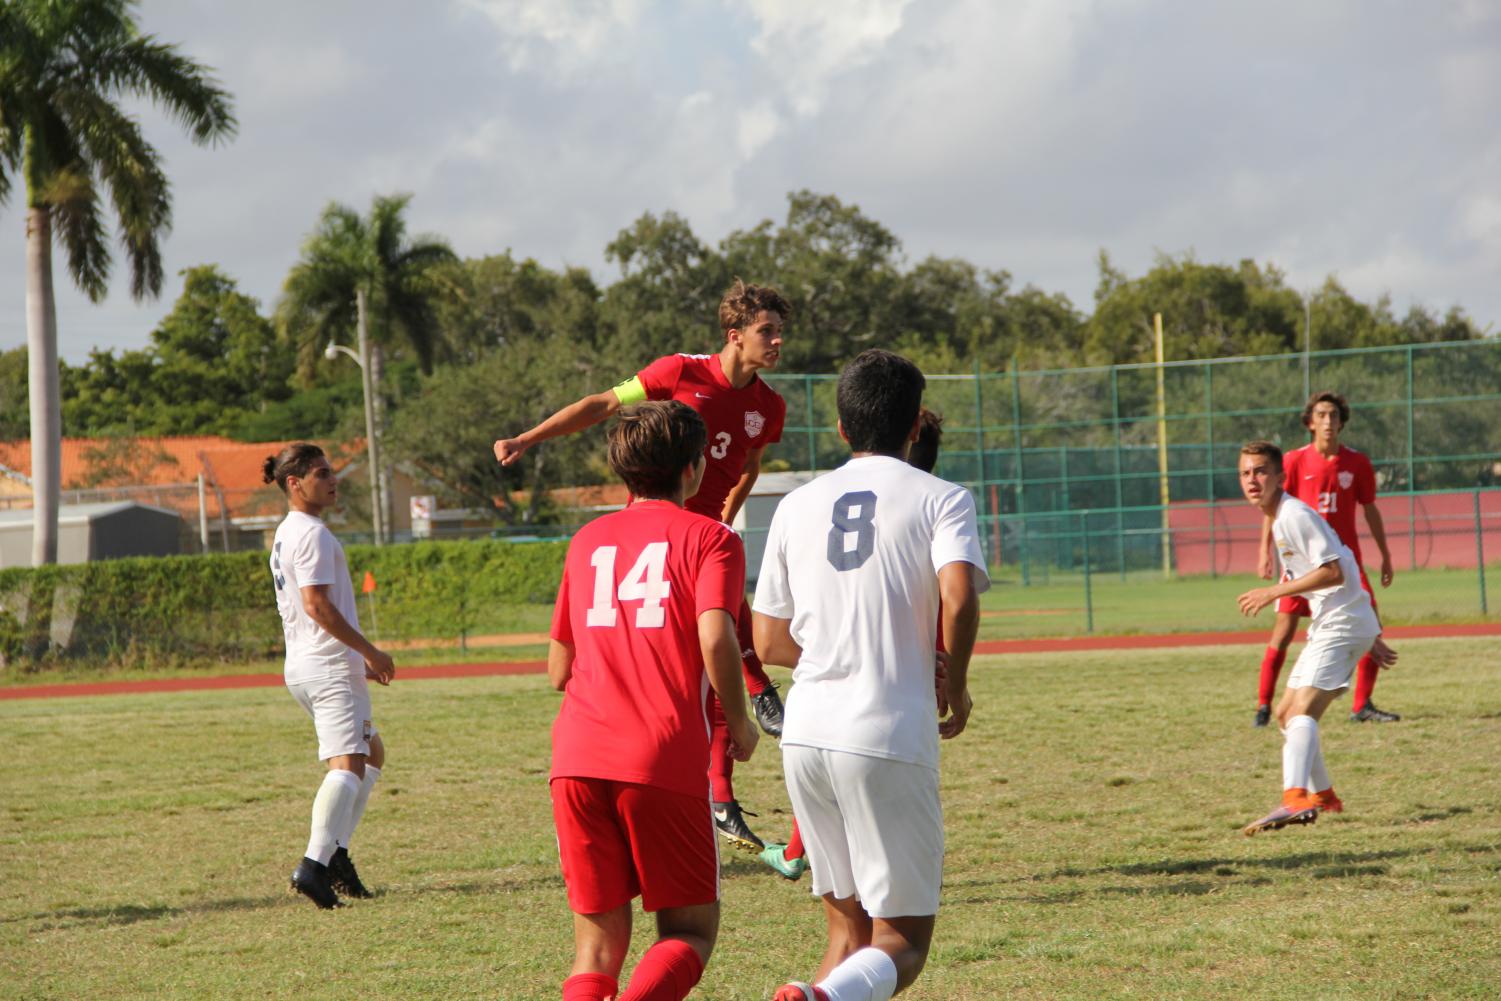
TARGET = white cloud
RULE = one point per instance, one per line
(758, 125)
(562, 35)
(806, 45)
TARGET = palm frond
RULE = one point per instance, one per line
(182, 87)
(79, 226)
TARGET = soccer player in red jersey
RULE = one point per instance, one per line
(1333, 479)
(644, 627)
(743, 415)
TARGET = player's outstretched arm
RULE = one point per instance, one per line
(320, 608)
(576, 416)
(961, 622)
(1378, 533)
(559, 663)
(1328, 575)
(721, 650)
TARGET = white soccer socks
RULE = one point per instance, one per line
(357, 811)
(331, 809)
(1300, 745)
(868, 975)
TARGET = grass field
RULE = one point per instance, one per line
(1094, 849)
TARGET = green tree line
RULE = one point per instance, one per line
(476, 348)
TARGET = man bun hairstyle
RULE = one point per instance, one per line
(1326, 396)
(650, 444)
(742, 302)
(880, 394)
(294, 460)
(924, 451)
(1264, 448)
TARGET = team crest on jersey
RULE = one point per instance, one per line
(754, 423)
(1345, 479)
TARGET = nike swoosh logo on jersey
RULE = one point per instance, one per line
(1309, 476)
(703, 396)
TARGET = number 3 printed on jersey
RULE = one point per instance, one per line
(647, 583)
(721, 446)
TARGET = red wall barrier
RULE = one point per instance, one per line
(1428, 531)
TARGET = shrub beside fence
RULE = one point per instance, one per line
(220, 607)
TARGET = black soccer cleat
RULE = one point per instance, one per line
(768, 708)
(343, 876)
(310, 879)
(1370, 714)
(730, 820)
(1263, 715)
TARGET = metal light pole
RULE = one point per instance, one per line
(363, 361)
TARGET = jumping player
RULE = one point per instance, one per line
(791, 860)
(644, 626)
(328, 660)
(856, 565)
(1345, 628)
(743, 415)
(1332, 479)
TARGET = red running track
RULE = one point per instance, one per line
(1051, 645)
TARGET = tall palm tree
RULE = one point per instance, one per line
(353, 265)
(64, 65)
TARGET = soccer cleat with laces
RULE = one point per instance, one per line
(1263, 715)
(310, 879)
(1282, 817)
(730, 820)
(344, 877)
(768, 708)
(1370, 714)
(799, 991)
(788, 868)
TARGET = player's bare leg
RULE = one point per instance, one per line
(867, 957)
(600, 944)
(1283, 630)
(671, 967)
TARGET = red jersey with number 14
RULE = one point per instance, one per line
(1332, 487)
(739, 420)
(634, 584)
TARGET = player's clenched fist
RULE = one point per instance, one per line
(508, 450)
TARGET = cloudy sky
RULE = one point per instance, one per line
(1360, 138)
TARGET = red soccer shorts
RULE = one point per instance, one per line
(620, 839)
(1298, 605)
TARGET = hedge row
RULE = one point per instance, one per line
(181, 609)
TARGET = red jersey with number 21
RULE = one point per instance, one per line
(634, 584)
(1332, 487)
(739, 420)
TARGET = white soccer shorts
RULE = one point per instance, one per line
(1329, 664)
(872, 827)
(340, 708)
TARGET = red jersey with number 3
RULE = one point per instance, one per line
(634, 584)
(739, 420)
(1332, 487)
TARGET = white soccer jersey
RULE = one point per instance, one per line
(1305, 542)
(306, 552)
(852, 559)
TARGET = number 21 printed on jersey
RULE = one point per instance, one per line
(646, 582)
(1328, 502)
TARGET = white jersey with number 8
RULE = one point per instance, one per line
(852, 559)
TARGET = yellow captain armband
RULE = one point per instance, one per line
(630, 391)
